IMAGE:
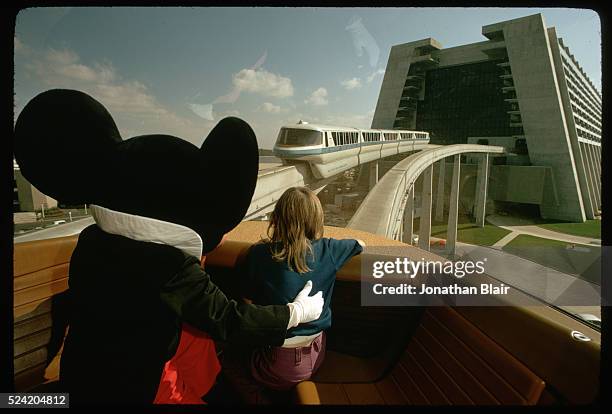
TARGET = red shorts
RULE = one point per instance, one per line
(191, 373)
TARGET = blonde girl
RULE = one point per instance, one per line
(294, 254)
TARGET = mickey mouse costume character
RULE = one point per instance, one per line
(159, 203)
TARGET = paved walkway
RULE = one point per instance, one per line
(505, 240)
(518, 226)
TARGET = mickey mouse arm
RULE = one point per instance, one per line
(198, 301)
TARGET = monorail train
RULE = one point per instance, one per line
(331, 149)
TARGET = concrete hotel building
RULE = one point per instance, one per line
(523, 89)
(26, 197)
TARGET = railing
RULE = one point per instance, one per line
(399, 179)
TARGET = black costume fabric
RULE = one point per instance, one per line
(129, 294)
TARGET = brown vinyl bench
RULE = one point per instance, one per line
(40, 280)
(448, 361)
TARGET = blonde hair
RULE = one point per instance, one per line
(296, 220)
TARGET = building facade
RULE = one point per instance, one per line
(26, 197)
(522, 87)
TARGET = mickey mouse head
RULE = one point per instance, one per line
(69, 147)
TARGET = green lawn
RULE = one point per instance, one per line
(581, 260)
(590, 228)
(470, 233)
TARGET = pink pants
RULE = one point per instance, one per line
(281, 368)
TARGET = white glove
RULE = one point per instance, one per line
(305, 308)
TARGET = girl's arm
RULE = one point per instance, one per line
(342, 250)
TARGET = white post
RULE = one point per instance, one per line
(85, 209)
(42, 208)
(453, 207)
(373, 174)
(440, 192)
(425, 221)
(407, 221)
(480, 197)
(70, 215)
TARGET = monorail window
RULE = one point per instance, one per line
(405, 135)
(345, 138)
(371, 136)
(299, 137)
(390, 136)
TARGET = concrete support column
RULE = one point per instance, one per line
(591, 168)
(440, 192)
(398, 234)
(425, 221)
(408, 218)
(597, 168)
(453, 207)
(480, 198)
(589, 176)
(595, 151)
(599, 156)
(587, 197)
(598, 152)
(596, 173)
(597, 165)
(373, 174)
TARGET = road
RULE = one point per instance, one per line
(75, 227)
(61, 230)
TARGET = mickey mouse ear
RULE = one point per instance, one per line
(231, 157)
(62, 139)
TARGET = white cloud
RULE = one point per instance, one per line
(318, 97)
(203, 111)
(233, 95)
(354, 83)
(375, 74)
(263, 82)
(134, 108)
(271, 108)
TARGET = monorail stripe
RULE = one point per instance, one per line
(300, 153)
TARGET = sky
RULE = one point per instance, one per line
(180, 70)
